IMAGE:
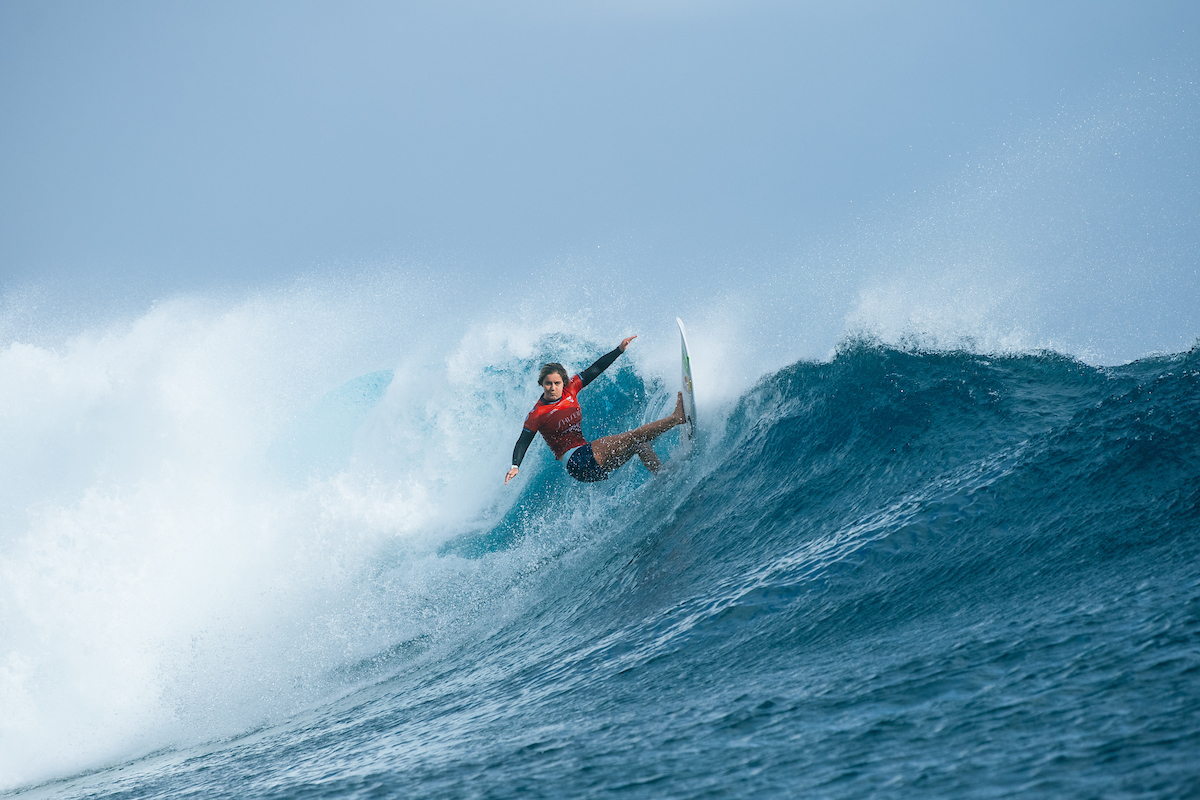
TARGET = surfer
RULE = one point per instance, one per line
(558, 417)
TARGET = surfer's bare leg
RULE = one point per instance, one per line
(643, 451)
(612, 452)
(650, 459)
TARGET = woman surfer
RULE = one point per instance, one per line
(558, 417)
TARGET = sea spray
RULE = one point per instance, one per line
(176, 568)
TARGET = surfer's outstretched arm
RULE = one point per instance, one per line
(519, 453)
(602, 363)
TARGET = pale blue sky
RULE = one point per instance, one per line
(151, 147)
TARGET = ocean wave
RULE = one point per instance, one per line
(863, 559)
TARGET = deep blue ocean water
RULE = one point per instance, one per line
(898, 573)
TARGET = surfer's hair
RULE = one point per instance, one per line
(550, 368)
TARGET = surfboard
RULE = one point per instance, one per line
(689, 397)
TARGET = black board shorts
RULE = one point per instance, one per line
(582, 466)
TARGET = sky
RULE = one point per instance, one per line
(866, 155)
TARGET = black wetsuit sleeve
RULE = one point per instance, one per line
(591, 373)
(522, 446)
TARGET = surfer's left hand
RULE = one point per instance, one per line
(625, 342)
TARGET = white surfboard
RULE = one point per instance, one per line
(689, 397)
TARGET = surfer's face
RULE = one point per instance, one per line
(552, 387)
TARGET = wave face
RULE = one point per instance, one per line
(897, 573)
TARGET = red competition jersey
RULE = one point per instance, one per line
(559, 423)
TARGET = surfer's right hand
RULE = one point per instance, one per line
(512, 473)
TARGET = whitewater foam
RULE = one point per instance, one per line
(165, 583)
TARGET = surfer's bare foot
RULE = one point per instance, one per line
(679, 417)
